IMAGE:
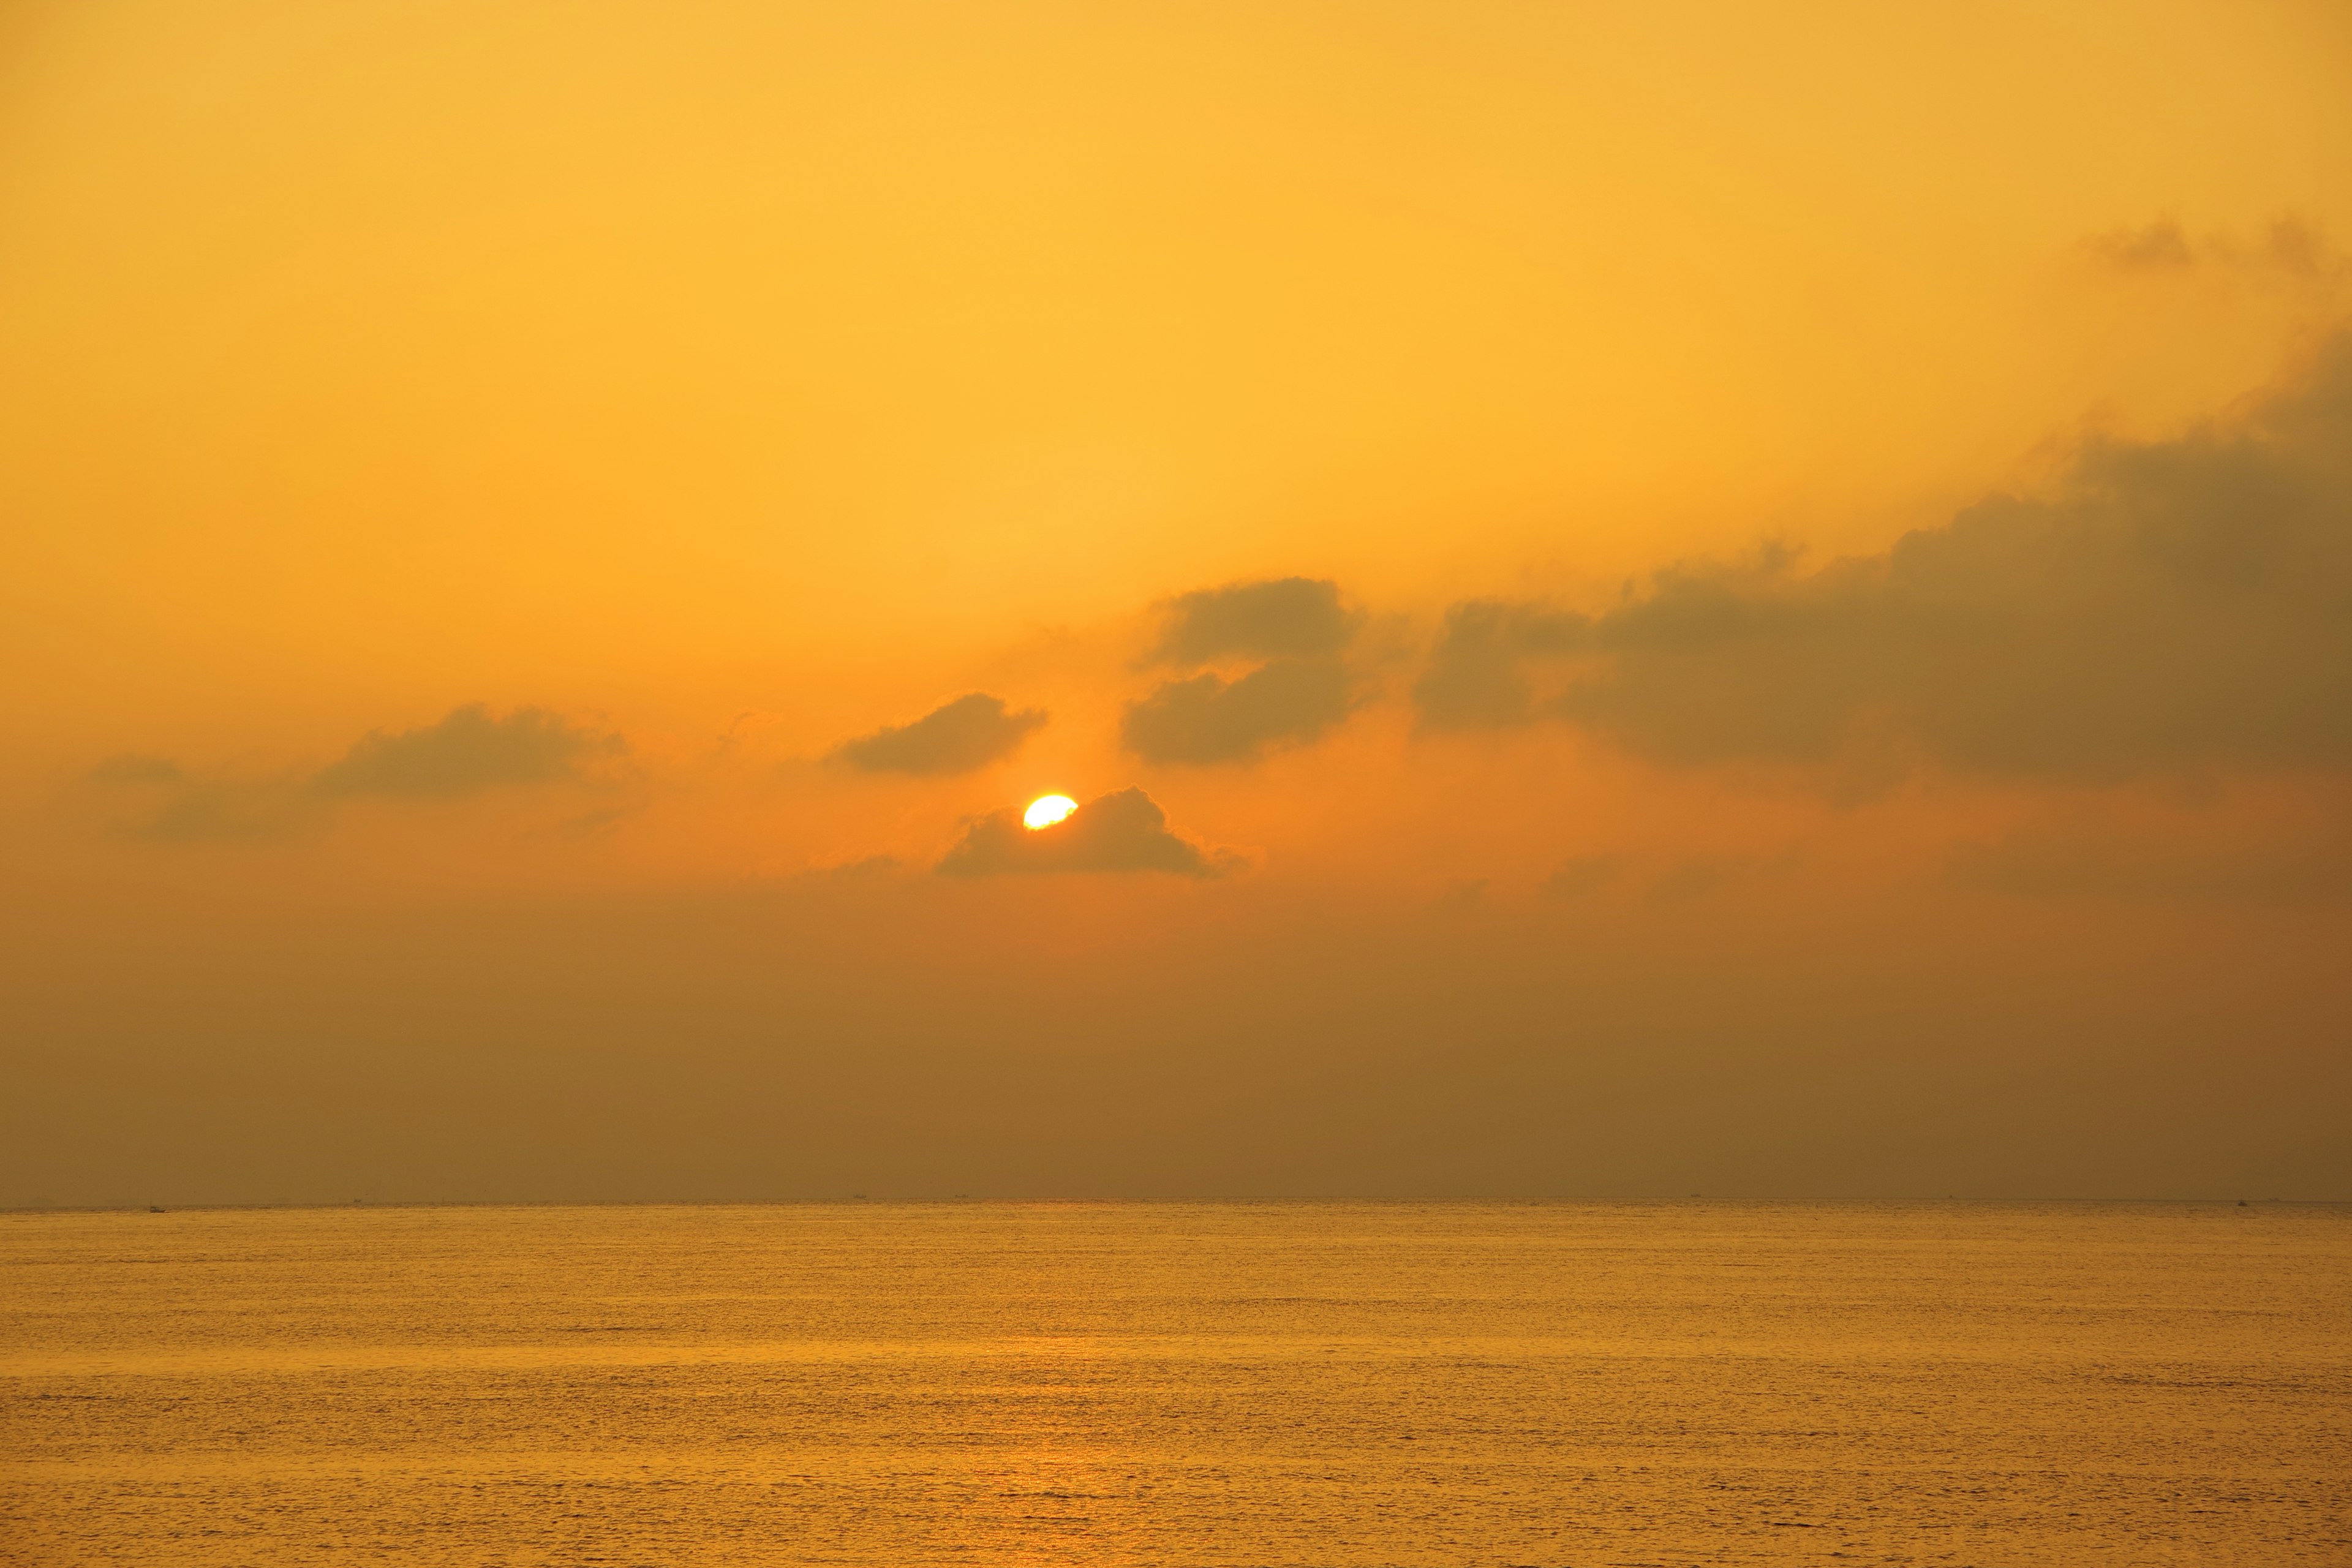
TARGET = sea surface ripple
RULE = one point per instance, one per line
(1570, 1385)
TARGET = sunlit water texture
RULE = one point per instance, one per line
(1330, 1383)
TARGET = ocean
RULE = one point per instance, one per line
(1570, 1384)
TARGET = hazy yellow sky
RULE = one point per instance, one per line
(1754, 598)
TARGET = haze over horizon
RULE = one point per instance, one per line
(1639, 600)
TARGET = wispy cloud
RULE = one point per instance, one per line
(1284, 618)
(468, 751)
(959, 737)
(1209, 719)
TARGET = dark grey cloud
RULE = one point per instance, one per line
(1284, 618)
(1126, 831)
(1209, 719)
(2176, 603)
(468, 751)
(970, 733)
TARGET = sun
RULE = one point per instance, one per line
(1047, 810)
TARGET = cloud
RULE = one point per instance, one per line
(135, 768)
(2176, 603)
(223, 810)
(1476, 675)
(1582, 875)
(1126, 831)
(467, 752)
(175, 808)
(1286, 617)
(970, 733)
(2091, 859)
(2290, 248)
(1297, 625)
(1209, 719)
(2156, 247)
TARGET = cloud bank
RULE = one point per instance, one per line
(1125, 831)
(2177, 603)
(968, 733)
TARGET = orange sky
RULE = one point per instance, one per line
(1767, 599)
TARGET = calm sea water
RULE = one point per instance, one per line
(1327, 1383)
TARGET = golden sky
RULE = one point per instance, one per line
(1639, 599)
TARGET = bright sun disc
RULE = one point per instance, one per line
(1048, 809)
